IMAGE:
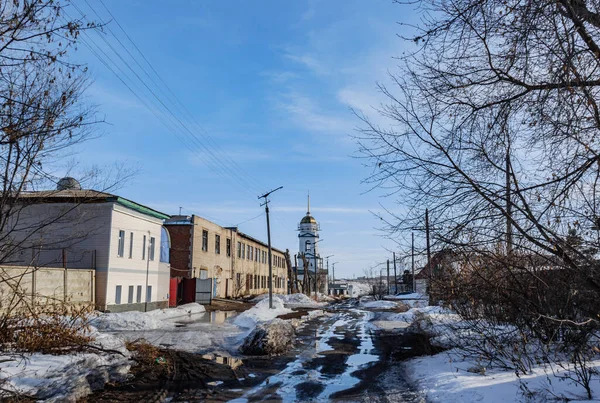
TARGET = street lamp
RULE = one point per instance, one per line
(333, 272)
(327, 257)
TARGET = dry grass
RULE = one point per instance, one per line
(53, 328)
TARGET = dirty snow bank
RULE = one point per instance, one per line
(144, 320)
(366, 302)
(272, 338)
(55, 378)
(449, 377)
(359, 288)
(456, 376)
(293, 300)
(261, 313)
(413, 299)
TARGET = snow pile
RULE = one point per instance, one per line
(62, 378)
(275, 337)
(414, 299)
(294, 300)
(368, 303)
(360, 288)
(261, 313)
(325, 298)
(144, 320)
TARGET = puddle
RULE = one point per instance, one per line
(233, 363)
(216, 317)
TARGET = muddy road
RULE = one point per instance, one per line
(338, 357)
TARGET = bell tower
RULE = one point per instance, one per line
(308, 236)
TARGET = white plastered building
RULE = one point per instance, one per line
(123, 241)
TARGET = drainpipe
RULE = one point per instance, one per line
(147, 273)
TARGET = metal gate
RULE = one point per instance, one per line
(204, 291)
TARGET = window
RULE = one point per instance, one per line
(243, 251)
(130, 295)
(151, 251)
(144, 248)
(203, 274)
(228, 247)
(138, 297)
(250, 250)
(130, 245)
(121, 250)
(257, 255)
(238, 278)
(264, 257)
(204, 240)
(239, 250)
(118, 295)
(149, 293)
(307, 245)
(218, 244)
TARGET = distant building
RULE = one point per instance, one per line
(308, 239)
(237, 263)
(123, 241)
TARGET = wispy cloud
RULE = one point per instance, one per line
(309, 62)
(307, 114)
(329, 209)
(101, 94)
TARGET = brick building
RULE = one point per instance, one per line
(237, 263)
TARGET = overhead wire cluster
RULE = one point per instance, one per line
(123, 58)
(118, 52)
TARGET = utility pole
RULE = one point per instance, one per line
(316, 273)
(316, 268)
(413, 261)
(509, 240)
(395, 275)
(327, 257)
(388, 277)
(428, 242)
(266, 204)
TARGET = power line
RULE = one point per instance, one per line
(129, 87)
(177, 99)
(203, 142)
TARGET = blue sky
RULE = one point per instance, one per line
(272, 83)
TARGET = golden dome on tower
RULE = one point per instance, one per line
(308, 219)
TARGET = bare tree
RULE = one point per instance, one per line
(493, 126)
(42, 117)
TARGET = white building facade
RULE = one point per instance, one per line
(124, 242)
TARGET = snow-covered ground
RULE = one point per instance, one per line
(261, 312)
(364, 303)
(413, 299)
(453, 376)
(62, 377)
(448, 377)
(56, 378)
(293, 300)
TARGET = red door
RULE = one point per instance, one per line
(173, 287)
